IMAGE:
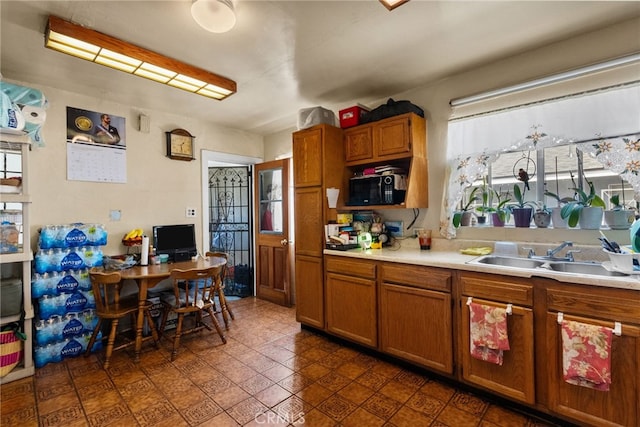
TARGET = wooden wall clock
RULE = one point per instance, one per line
(180, 145)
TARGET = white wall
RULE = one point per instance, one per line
(609, 42)
(158, 189)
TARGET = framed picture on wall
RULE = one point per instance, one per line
(96, 146)
(95, 127)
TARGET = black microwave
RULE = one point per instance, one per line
(377, 190)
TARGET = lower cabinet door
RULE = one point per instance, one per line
(351, 308)
(309, 291)
(415, 325)
(620, 406)
(515, 377)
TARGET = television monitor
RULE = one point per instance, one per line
(178, 241)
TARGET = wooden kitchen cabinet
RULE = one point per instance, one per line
(415, 315)
(515, 378)
(350, 299)
(620, 406)
(390, 139)
(310, 291)
(399, 141)
(318, 164)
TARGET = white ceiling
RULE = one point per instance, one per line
(288, 55)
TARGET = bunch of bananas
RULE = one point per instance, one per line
(134, 237)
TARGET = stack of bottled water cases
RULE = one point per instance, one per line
(61, 288)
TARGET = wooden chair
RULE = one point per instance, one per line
(193, 292)
(111, 307)
(224, 308)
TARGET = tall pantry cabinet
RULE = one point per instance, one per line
(15, 247)
(318, 164)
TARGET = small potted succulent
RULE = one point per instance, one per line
(618, 218)
(542, 217)
(586, 210)
(522, 211)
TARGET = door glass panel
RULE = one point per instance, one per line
(270, 196)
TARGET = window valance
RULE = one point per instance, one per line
(604, 123)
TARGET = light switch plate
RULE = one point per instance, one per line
(115, 215)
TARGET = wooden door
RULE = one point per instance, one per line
(407, 313)
(516, 376)
(393, 137)
(620, 406)
(307, 157)
(273, 265)
(358, 143)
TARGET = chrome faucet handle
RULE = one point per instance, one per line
(531, 253)
(570, 254)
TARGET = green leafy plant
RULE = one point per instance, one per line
(561, 200)
(485, 192)
(519, 196)
(572, 210)
(615, 202)
(501, 207)
(465, 207)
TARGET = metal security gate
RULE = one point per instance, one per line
(230, 213)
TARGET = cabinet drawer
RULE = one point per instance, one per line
(419, 277)
(618, 308)
(363, 269)
(497, 288)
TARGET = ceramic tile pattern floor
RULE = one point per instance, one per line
(269, 373)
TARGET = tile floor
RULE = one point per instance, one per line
(269, 373)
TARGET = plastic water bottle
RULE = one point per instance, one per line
(61, 237)
(83, 278)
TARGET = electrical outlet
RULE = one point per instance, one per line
(191, 212)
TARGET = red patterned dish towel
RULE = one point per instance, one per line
(586, 355)
(488, 332)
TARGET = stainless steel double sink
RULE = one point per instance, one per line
(587, 268)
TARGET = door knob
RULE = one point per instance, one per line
(284, 242)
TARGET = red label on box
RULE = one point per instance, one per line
(351, 116)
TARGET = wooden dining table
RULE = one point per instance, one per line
(149, 276)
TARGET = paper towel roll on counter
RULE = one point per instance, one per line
(144, 251)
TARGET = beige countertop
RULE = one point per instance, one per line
(447, 256)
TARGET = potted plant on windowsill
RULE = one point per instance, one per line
(500, 213)
(521, 210)
(463, 216)
(484, 197)
(542, 217)
(618, 218)
(556, 213)
(586, 210)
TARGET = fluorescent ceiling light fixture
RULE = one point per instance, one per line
(392, 4)
(216, 16)
(555, 78)
(100, 48)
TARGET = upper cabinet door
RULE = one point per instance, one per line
(358, 143)
(307, 157)
(393, 137)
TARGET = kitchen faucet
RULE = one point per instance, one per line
(551, 253)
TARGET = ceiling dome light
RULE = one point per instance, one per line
(216, 16)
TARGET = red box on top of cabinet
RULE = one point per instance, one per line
(351, 116)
